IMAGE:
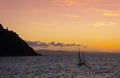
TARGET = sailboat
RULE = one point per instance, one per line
(81, 59)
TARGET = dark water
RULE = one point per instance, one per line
(60, 65)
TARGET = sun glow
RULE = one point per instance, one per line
(93, 23)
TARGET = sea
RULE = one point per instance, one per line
(61, 65)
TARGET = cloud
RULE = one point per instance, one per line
(42, 44)
(32, 43)
(74, 2)
(73, 44)
(37, 43)
(59, 44)
(71, 15)
(55, 44)
(108, 13)
(63, 44)
(31, 12)
(65, 2)
(108, 24)
(50, 23)
(70, 2)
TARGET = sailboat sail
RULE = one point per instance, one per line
(81, 60)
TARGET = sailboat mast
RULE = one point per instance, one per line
(83, 57)
(79, 55)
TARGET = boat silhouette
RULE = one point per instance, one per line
(81, 59)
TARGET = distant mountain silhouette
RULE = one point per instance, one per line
(12, 45)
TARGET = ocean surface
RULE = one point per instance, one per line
(61, 65)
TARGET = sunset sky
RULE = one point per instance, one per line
(92, 23)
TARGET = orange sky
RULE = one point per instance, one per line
(93, 23)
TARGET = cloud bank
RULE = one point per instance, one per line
(55, 44)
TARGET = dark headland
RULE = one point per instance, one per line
(12, 45)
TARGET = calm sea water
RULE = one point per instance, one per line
(60, 65)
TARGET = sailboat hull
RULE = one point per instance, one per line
(81, 64)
